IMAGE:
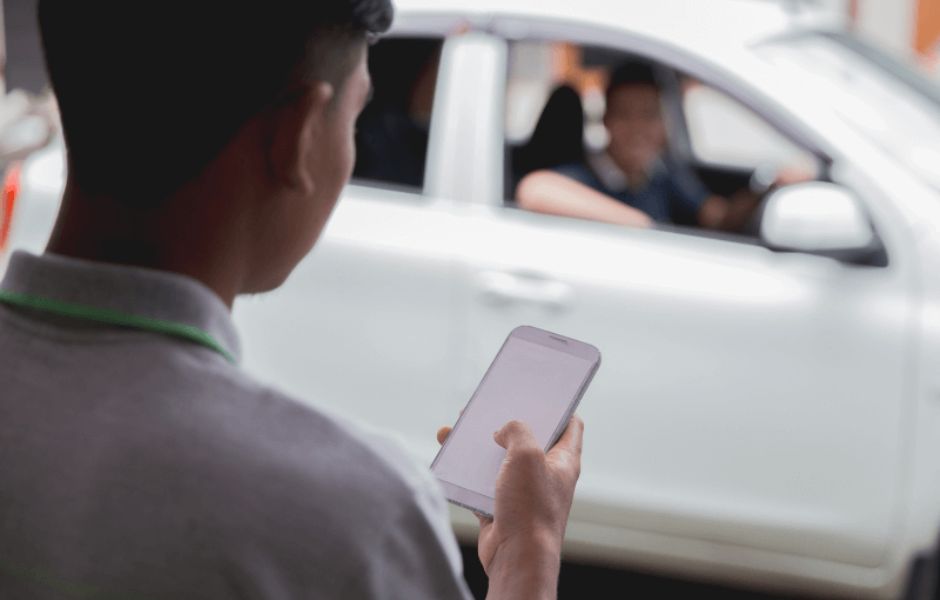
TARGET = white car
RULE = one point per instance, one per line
(768, 412)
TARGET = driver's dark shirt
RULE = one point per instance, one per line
(671, 194)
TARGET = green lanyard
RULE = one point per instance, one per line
(110, 317)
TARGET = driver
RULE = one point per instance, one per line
(634, 182)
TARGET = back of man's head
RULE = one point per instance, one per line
(151, 91)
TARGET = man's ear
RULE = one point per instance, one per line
(296, 131)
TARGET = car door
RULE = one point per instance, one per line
(367, 327)
(747, 398)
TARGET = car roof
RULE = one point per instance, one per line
(678, 22)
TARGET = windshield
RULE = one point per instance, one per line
(886, 101)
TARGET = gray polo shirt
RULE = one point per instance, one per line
(139, 465)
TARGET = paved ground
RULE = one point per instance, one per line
(579, 582)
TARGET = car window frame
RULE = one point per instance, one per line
(681, 137)
(676, 61)
(433, 26)
(669, 56)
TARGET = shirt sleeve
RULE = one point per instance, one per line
(417, 556)
(412, 559)
(687, 195)
(582, 174)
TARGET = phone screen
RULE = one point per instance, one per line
(528, 382)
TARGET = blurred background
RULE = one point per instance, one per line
(908, 29)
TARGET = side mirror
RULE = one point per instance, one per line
(820, 218)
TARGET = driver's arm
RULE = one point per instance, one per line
(555, 194)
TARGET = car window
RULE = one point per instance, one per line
(392, 131)
(724, 132)
(655, 140)
(554, 108)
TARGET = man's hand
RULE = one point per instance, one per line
(520, 548)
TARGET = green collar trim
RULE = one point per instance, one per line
(112, 317)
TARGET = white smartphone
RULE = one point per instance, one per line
(538, 378)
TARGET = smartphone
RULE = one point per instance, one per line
(537, 377)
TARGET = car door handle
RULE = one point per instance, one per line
(501, 288)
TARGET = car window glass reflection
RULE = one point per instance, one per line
(392, 131)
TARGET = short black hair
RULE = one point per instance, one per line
(150, 91)
(631, 72)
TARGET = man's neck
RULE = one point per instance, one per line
(166, 239)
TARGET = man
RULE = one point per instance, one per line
(633, 183)
(208, 142)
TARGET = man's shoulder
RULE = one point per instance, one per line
(587, 174)
(211, 463)
(303, 480)
(306, 447)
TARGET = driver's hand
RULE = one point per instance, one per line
(792, 175)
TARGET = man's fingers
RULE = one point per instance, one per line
(567, 450)
(517, 433)
(442, 434)
(572, 438)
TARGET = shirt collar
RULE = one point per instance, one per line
(130, 290)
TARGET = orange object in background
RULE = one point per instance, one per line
(569, 68)
(853, 10)
(927, 36)
(11, 188)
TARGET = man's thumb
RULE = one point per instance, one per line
(515, 434)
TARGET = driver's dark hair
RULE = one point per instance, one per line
(150, 91)
(631, 72)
